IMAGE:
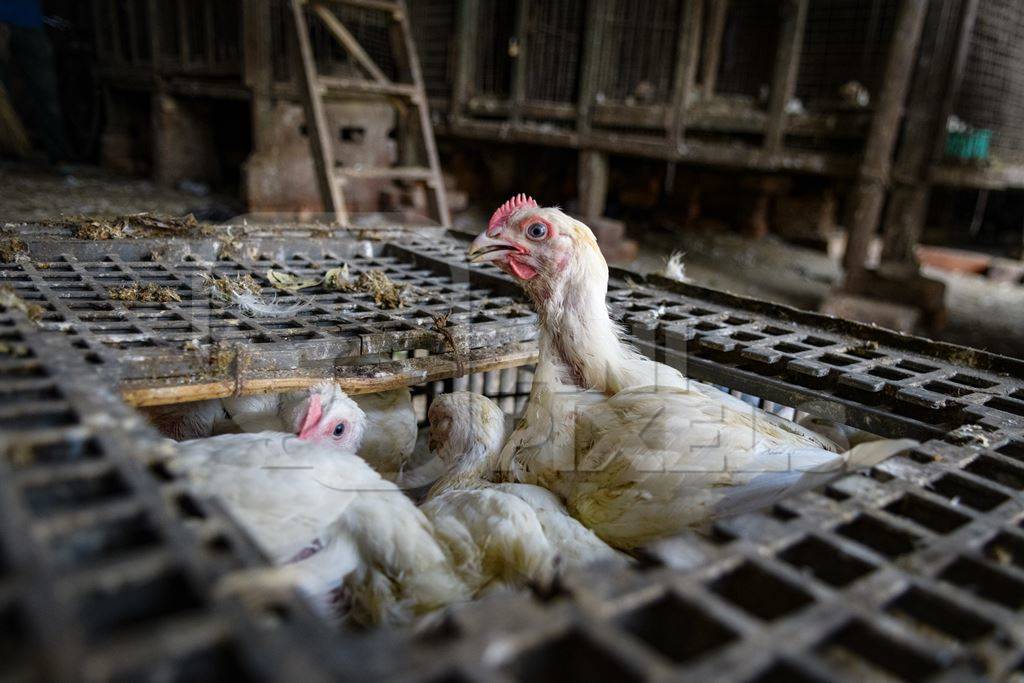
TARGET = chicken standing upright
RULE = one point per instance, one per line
(635, 449)
(312, 505)
(506, 532)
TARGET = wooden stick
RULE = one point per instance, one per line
(354, 379)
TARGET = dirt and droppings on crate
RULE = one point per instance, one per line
(143, 293)
(12, 249)
(10, 299)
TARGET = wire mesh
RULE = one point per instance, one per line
(844, 41)
(638, 54)
(554, 50)
(433, 22)
(992, 90)
(370, 27)
(749, 43)
(493, 46)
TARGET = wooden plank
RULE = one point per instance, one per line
(630, 115)
(352, 85)
(349, 42)
(687, 52)
(320, 141)
(787, 69)
(354, 379)
(395, 8)
(385, 172)
(713, 46)
(708, 153)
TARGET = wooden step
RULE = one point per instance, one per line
(386, 173)
(333, 86)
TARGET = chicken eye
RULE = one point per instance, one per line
(536, 231)
(339, 429)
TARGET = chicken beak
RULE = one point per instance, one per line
(486, 248)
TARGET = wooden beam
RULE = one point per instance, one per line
(869, 192)
(349, 42)
(521, 34)
(257, 68)
(687, 51)
(352, 378)
(593, 183)
(787, 68)
(467, 23)
(590, 69)
(320, 141)
(717, 14)
(940, 72)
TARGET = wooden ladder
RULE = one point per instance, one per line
(315, 89)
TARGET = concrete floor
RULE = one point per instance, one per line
(981, 313)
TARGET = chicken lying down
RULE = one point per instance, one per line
(635, 449)
(390, 425)
(342, 534)
(498, 534)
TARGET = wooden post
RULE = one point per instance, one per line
(873, 175)
(467, 24)
(257, 68)
(717, 13)
(687, 52)
(521, 32)
(787, 69)
(593, 183)
(590, 70)
(924, 142)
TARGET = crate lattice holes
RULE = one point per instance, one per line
(913, 572)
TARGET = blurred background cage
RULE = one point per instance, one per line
(805, 89)
(992, 91)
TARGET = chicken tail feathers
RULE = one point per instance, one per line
(873, 452)
(768, 488)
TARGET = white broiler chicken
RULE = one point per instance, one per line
(345, 536)
(636, 450)
(498, 533)
(388, 441)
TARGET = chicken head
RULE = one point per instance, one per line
(465, 429)
(325, 414)
(540, 246)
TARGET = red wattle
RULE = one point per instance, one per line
(521, 270)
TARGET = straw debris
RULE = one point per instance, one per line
(144, 293)
(9, 299)
(128, 226)
(228, 288)
(12, 250)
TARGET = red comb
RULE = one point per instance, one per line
(505, 210)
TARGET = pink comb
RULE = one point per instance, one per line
(313, 415)
(508, 208)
